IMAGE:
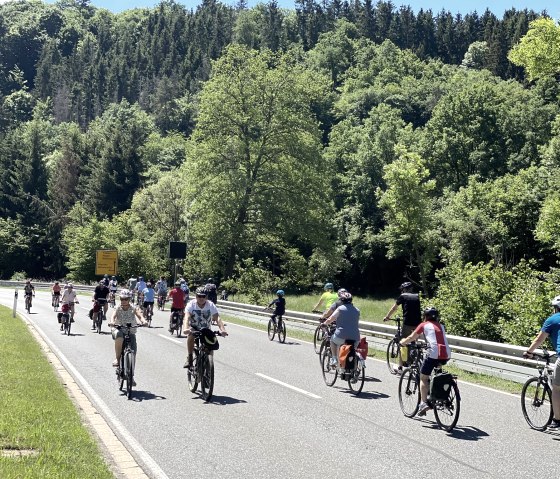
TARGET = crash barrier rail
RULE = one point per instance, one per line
(487, 357)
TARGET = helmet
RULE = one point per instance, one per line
(70, 285)
(149, 284)
(28, 281)
(328, 286)
(56, 282)
(431, 313)
(178, 283)
(346, 297)
(406, 285)
(340, 291)
(210, 280)
(556, 302)
(140, 278)
(101, 282)
(201, 291)
(106, 276)
(125, 294)
(280, 292)
(113, 277)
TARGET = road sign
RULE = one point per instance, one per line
(106, 262)
(177, 250)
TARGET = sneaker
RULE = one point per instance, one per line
(399, 370)
(554, 425)
(115, 363)
(423, 409)
(93, 328)
(133, 382)
(61, 327)
(333, 362)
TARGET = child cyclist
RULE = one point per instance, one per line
(279, 305)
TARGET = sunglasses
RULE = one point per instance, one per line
(125, 299)
(201, 296)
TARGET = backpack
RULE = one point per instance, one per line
(440, 386)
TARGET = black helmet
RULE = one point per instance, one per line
(201, 291)
(210, 280)
(341, 291)
(405, 286)
(431, 313)
(345, 297)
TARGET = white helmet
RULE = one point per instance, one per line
(125, 293)
(556, 302)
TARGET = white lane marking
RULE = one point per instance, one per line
(128, 437)
(289, 386)
(170, 339)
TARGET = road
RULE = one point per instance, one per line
(272, 415)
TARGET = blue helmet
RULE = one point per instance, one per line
(329, 286)
(280, 292)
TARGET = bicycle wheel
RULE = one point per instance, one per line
(318, 338)
(447, 412)
(356, 382)
(271, 329)
(536, 403)
(330, 372)
(281, 331)
(207, 377)
(68, 324)
(393, 356)
(409, 392)
(99, 322)
(192, 375)
(129, 368)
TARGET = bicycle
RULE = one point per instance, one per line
(446, 408)
(55, 301)
(394, 354)
(112, 295)
(536, 395)
(149, 314)
(127, 361)
(177, 318)
(276, 326)
(202, 370)
(28, 302)
(67, 317)
(99, 317)
(319, 333)
(161, 301)
(329, 365)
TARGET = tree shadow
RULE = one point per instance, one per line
(139, 396)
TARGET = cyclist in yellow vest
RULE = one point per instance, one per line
(327, 298)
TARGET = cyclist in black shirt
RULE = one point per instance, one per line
(410, 303)
(279, 305)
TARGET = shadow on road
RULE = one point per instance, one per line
(140, 396)
(464, 433)
(367, 394)
(225, 400)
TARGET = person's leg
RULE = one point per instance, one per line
(190, 349)
(556, 390)
(118, 346)
(335, 343)
(424, 387)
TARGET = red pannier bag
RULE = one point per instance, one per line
(362, 348)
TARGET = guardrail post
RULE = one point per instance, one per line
(15, 303)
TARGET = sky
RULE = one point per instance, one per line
(454, 6)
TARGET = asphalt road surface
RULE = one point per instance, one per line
(272, 415)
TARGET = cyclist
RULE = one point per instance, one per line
(106, 280)
(438, 351)
(551, 328)
(410, 303)
(113, 286)
(125, 313)
(100, 298)
(347, 318)
(55, 291)
(161, 288)
(131, 283)
(211, 291)
(140, 286)
(185, 289)
(69, 297)
(201, 313)
(177, 302)
(29, 290)
(327, 298)
(279, 305)
(328, 313)
(149, 296)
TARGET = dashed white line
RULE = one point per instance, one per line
(170, 339)
(289, 386)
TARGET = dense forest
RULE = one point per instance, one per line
(354, 142)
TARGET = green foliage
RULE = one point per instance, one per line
(253, 281)
(14, 245)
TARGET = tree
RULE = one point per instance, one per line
(410, 228)
(476, 56)
(255, 156)
(539, 50)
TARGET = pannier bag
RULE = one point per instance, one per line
(347, 356)
(363, 347)
(440, 386)
(90, 313)
(208, 338)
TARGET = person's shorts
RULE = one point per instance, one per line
(117, 333)
(407, 330)
(556, 373)
(148, 302)
(430, 363)
(339, 341)
(56, 293)
(178, 310)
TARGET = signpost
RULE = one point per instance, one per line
(177, 251)
(106, 262)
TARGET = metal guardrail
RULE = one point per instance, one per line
(487, 357)
(496, 359)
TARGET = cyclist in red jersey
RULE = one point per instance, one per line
(177, 296)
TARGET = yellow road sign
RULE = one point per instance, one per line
(106, 261)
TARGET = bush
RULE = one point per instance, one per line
(252, 281)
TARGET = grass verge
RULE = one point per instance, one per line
(36, 414)
(466, 376)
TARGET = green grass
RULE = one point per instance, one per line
(36, 413)
(467, 376)
(371, 309)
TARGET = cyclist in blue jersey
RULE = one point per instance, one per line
(149, 298)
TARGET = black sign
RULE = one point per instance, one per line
(177, 250)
